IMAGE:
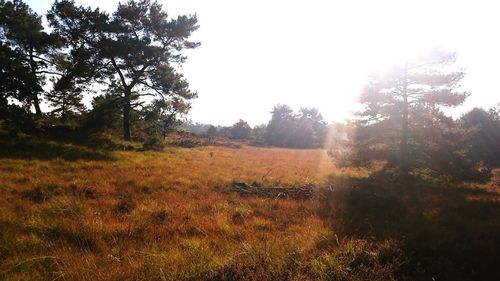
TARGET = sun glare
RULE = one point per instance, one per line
(249, 140)
(318, 54)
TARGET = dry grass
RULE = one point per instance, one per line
(172, 215)
(149, 215)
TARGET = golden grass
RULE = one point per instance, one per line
(156, 215)
(172, 215)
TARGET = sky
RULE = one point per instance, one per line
(255, 54)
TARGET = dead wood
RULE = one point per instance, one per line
(303, 192)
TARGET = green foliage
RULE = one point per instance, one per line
(159, 118)
(25, 49)
(15, 119)
(105, 115)
(279, 131)
(358, 260)
(402, 122)
(212, 131)
(483, 135)
(310, 129)
(241, 130)
(259, 134)
(131, 51)
(66, 104)
(154, 142)
(65, 98)
(303, 130)
(14, 73)
(38, 149)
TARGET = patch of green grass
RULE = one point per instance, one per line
(39, 149)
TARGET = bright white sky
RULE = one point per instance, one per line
(258, 53)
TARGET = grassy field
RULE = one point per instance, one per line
(76, 214)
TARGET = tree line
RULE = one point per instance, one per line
(127, 63)
(303, 129)
(403, 125)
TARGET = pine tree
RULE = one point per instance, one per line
(25, 50)
(132, 51)
(403, 123)
(483, 136)
(241, 130)
(279, 131)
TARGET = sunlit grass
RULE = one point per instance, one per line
(173, 215)
(146, 215)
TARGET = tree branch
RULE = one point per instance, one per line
(48, 72)
(122, 78)
(43, 59)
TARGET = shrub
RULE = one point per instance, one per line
(155, 142)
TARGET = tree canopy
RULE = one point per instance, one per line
(403, 122)
(306, 129)
(25, 53)
(133, 51)
(241, 130)
(483, 135)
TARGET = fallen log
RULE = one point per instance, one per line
(246, 189)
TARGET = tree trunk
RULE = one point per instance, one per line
(126, 115)
(36, 103)
(404, 129)
(34, 86)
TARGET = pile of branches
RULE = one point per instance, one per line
(189, 140)
(246, 189)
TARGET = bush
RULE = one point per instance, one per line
(108, 140)
(155, 142)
